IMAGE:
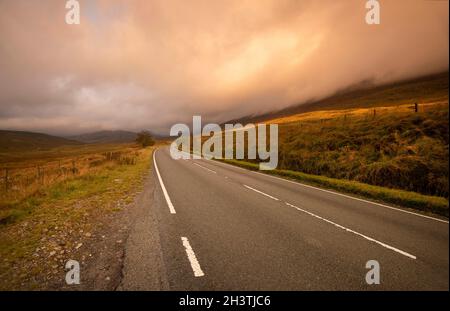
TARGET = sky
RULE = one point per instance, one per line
(148, 64)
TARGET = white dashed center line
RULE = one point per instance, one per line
(354, 232)
(205, 168)
(260, 192)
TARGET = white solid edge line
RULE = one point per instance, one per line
(205, 168)
(166, 195)
(337, 193)
(192, 258)
(263, 193)
(354, 232)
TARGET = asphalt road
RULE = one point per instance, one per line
(225, 228)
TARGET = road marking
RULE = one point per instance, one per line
(234, 166)
(337, 193)
(260, 192)
(166, 195)
(354, 198)
(205, 168)
(354, 232)
(192, 258)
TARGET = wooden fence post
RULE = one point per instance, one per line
(416, 107)
(6, 179)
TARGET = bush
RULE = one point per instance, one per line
(145, 139)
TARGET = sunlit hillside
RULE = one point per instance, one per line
(387, 146)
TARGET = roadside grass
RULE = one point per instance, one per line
(27, 173)
(13, 159)
(408, 199)
(39, 231)
(390, 147)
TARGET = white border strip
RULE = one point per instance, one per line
(192, 258)
(354, 232)
(166, 195)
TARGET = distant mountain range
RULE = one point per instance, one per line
(105, 137)
(433, 88)
(13, 141)
(18, 141)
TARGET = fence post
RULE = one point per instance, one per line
(416, 107)
(6, 179)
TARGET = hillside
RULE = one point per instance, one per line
(389, 147)
(106, 137)
(373, 136)
(428, 89)
(26, 141)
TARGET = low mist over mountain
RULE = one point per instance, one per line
(426, 89)
(106, 137)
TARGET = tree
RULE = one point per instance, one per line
(145, 139)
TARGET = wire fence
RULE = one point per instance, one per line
(19, 181)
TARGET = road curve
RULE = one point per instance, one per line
(226, 228)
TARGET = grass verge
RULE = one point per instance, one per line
(41, 232)
(431, 204)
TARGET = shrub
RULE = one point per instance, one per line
(145, 139)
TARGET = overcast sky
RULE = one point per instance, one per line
(145, 64)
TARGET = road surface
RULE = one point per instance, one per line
(225, 228)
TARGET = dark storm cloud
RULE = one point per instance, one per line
(148, 64)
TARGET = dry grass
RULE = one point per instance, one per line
(358, 112)
(44, 224)
(24, 178)
(393, 147)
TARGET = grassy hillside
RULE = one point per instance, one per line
(393, 147)
(11, 141)
(106, 137)
(359, 140)
(389, 154)
(428, 89)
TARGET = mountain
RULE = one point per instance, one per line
(432, 88)
(18, 141)
(106, 137)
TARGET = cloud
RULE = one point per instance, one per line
(135, 64)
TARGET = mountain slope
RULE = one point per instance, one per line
(373, 136)
(24, 141)
(106, 137)
(427, 89)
